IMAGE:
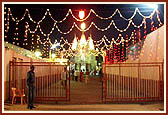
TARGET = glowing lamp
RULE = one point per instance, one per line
(154, 6)
(81, 14)
(55, 45)
(83, 41)
(91, 45)
(74, 44)
(37, 53)
(83, 26)
(53, 55)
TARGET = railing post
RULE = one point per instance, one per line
(9, 77)
(69, 80)
(160, 88)
(163, 80)
(102, 80)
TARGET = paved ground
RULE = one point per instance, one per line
(91, 107)
(86, 97)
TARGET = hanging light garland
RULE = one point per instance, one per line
(118, 41)
(6, 21)
(127, 46)
(75, 25)
(16, 34)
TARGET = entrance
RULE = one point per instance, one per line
(48, 82)
(86, 93)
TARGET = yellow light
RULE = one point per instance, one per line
(53, 55)
(83, 40)
(37, 53)
(74, 44)
(81, 14)
(83, 57)
(97, 49)
(81, 51)
(61, 62)
(83, 26)
(91, 45)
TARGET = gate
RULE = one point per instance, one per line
(48, 85)
(133, 82)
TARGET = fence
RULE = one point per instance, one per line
(133, 82)
(48, 85)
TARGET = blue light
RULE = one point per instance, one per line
(154, 6)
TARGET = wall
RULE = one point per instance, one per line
(152, 51)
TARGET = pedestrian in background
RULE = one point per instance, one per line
(87, 76)
(64, 78)
(100, 75)
(76, 75)
(73, 74)
(81, 76)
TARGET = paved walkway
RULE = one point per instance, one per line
(86, 93)
(88, 107)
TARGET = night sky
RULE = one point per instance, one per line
(59, 11)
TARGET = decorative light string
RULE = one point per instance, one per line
(112, 43)
(16, 34)
(127, 46)
(87, 29)
(92, 23)
(160, 23)
(6, 21)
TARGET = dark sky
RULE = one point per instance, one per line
(59, 11)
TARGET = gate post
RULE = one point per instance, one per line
(69, 80)
(162, 80)
(9, 77)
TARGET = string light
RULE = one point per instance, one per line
(103, 40)
(75, 25)
(152, 22)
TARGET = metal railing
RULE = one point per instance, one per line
(133, 82)
(48, 85)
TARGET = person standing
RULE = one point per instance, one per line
(73, 74)
(100, 75)
(76, 75)
(81, 76)
(31, 87)
(87, 76)
(63, 78)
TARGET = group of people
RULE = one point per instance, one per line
(80, 76)
(31, 82)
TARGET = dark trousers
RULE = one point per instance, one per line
(30, 96)
(76, 78)
(64, 83)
